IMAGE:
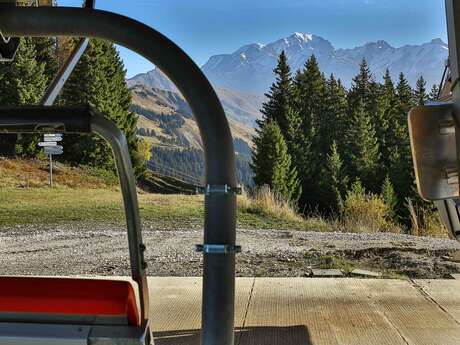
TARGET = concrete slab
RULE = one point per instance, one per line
(365, 273)
(417, 318)
(326, 273)
(445, 293)
(175, 305)
(302, 311)
(315, 311)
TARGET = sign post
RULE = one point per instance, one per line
(51, 171)
(51, 148)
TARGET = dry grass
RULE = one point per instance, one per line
(263, 202)
(367, 212)
(27, 173)
(425, 222)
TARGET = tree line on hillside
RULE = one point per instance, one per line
(190, 162)
(317, 140)
(98, 80)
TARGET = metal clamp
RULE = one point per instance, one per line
(218, 248)
(221, 189)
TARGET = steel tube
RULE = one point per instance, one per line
(53, 90)
(220, 210)
(43, 119)
(117, 140)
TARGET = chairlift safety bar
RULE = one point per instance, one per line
(220, 212)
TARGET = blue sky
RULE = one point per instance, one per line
(208, 27)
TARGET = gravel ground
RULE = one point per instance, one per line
(90, 249)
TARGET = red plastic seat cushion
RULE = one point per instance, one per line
(68, 296)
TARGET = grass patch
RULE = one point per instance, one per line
(335, 262)
(61, 205)
(264, 209)
(34, 173)
(91, 194)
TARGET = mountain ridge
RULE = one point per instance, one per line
(249, 68)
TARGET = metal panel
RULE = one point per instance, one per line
(433, 142)
(40, 334)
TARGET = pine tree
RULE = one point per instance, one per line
(360, 91)
(271, 162)
(333, 117)
(309, 95)
(278, 107)
(46, 53)
(99, 80)
(400, 169)
(404, 92)
(433, 96)
(309, 102)
(23, 81)
(420, 96)
(334, 181)
(385, 116)
(389, 197)
(362, 147)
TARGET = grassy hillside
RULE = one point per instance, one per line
(19, 173)
(84, 194)
(62, 205)
(168, 115)
(88, 195)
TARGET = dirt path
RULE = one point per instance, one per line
(85, 248)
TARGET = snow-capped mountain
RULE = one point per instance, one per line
(249, 69)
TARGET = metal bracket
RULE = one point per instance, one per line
(218, 248)
(221, 189)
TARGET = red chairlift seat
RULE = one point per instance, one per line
(46, 310)
(85, 301)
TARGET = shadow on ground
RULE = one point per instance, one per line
(292, 335)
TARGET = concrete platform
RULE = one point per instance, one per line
(306, 311)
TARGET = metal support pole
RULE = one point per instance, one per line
(453, 31)
(51, 171)
(67, 68)
(448, 208)
(64, 73)
(220, 209)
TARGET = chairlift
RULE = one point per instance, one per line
(43, 310)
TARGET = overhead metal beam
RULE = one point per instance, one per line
(220, 208)
(53, 90)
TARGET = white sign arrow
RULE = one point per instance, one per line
(52, 138)
(47, 143)
(55, 150)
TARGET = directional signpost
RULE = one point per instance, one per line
(51, 147)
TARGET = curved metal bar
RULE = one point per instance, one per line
(115, 137)
(42, 119)
(220, 209)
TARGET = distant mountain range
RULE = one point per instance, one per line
(249, 69)
(241, 78)
(241, 107)
(165, 119)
